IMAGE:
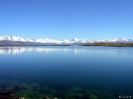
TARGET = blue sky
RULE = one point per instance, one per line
(65, 19)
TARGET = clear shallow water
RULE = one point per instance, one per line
(103, 72)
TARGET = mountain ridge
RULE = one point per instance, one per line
(16, 40)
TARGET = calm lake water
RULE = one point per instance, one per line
(67, 72)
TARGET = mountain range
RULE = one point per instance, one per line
(16, 40)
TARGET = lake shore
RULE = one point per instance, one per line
(110, 44)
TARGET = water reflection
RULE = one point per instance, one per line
(19, 50)
(75, 50)
(106, 50)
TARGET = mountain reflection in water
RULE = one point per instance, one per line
(81, 49)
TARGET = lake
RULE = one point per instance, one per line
(67, 72)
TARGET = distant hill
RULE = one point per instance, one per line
(20, 43)
(6, 42)
(110, 44)
(15, 43)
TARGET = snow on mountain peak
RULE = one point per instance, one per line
(73, 41)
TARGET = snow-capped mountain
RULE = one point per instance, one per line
(52, 41)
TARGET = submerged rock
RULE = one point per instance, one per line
(92, 96)
(19, 88)
(46, 98)
(34, 84)
(75, 90)
(74, 95)
(46, 88)
(54, 98)
(7, 93)
(21, 98)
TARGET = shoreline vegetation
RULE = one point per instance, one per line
(86, 44)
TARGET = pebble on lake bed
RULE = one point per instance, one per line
(46, 98)
(21, 98)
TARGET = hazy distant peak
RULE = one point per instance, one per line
(74, 39)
